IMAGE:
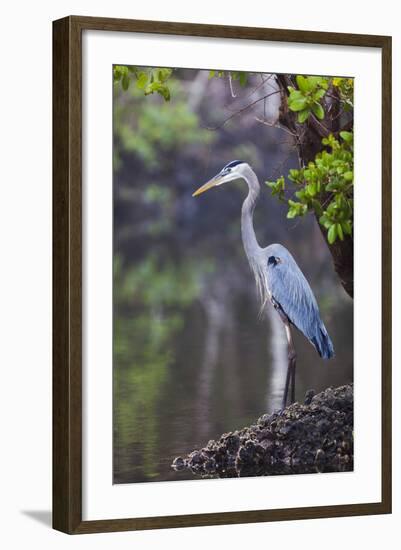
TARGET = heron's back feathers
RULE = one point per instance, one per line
(291, 292)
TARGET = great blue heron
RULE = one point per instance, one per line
(278, 277)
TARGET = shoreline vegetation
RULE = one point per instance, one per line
(310, 437)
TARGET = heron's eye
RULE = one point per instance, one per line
(273, 260)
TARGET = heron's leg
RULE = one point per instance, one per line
(287, 383)
(293, 379)
(290, 378)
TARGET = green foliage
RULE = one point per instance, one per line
(241, 76)
(152, 129)
(277, 187)
(148, 80)
(154, 79)
(151, 285)
(306, 100)
(325, 186)
(345, 88)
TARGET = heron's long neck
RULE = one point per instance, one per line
(251, 244)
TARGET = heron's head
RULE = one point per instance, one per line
(234, 170)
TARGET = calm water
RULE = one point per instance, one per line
(195, 361)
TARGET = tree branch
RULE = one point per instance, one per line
(240, 111)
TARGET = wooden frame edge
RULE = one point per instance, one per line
(227, 31)
(386, 272)
(67, 275)
(228, 518)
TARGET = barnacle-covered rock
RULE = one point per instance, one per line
(316, 436)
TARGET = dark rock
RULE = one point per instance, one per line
(308, 397)
(179, 464)
(316, 436)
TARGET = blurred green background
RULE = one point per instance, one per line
(191, 357)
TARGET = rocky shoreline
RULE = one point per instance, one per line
(314, 436)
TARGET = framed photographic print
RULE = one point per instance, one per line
(222, 274)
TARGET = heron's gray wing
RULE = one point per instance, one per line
(291, 291)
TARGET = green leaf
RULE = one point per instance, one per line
(296, 176)
(318, 81)
(332, 185)
(332, 233)
(277, 187)
(318, 110)
(296, 94)
(347, 136)
(311, 189)
(346, 225)
(303, 116)
(339, 230)
(323, 220)
(348, 176)
(125, 82)
(142, 80)
(165, 92)
(164, 74)
(319, 94)
(303, 83)
(297, 104)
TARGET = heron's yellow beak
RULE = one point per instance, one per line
(208, 185)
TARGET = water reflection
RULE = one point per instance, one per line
(192, 360)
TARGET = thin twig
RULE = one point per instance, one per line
(276, 125)
(280, 165)
(328, 94)
(241, 111)
(264, 104)
(258, 86)
(230, 80)
(338, 115)
(314, 120)
(246, 96)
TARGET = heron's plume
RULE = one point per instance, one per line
(261, 285)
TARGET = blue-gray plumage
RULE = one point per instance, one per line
(291, 292)
(278, 277)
